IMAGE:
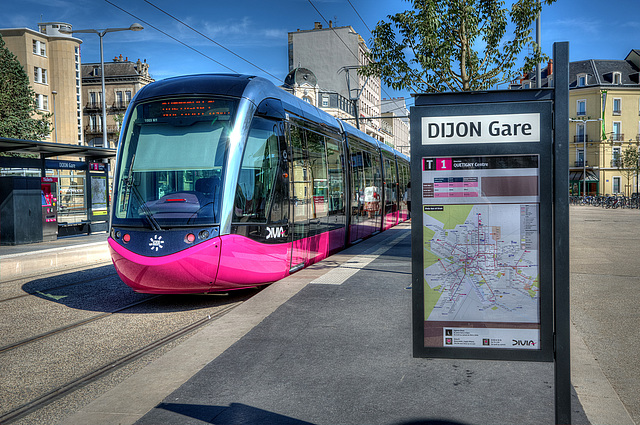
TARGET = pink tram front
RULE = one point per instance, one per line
(226, 182)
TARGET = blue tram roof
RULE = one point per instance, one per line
(255, 89)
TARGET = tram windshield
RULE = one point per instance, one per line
(172, 162)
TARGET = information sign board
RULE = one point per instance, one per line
(482, 278)
(489, 228)
(481, 262)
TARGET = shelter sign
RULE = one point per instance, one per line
(482, 237)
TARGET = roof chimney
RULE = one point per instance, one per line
(330, 24)
(317, 26)
(550, 68)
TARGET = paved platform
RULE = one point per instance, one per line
(18, 261)
(331, 344)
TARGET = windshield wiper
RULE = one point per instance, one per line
(146, 212)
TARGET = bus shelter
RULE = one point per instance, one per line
(74, 188)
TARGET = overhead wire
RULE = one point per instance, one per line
(212, 40)
(170, 36)
(345, 44)
(371, 32)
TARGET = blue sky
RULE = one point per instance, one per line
(256, 30)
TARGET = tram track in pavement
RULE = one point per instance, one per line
(73, 385)
(74, 325)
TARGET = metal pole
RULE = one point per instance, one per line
(561, 275)
(55, 118)
(584, 159)
(105, 141)
(538, 71)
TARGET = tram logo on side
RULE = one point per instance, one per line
(275, 232)
(156, 243)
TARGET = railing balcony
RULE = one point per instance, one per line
(579, 138)
(94, 106)
(581, 163)
(120, 105)
(616, 162)
(617, 137)
(93, 129)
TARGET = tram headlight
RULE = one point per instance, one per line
(204, 234)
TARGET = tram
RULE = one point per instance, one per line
(226, 182)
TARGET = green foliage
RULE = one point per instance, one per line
(453, 45)
(19, 115)
(628, 163)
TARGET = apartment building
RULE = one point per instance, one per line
(52, 62)
(604, 110)
(334, 55)
(123, 79)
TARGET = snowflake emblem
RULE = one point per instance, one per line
(156, 243)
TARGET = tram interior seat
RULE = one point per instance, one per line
(208, 186)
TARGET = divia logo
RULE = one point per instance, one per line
(275, 232)
(523, 343)
(156, 243)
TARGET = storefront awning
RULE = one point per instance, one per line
(577, 176)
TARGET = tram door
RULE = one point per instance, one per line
(300, 192)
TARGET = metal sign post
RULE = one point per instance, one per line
(490, 226)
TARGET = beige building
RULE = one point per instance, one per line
(52, 62)
(604, 113)
(604, 107)
(122, 81)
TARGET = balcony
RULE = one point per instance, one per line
(616, 163)
(93, 106)
(93, 129)
(579, 138)
(581, 163)
(120, 105)
(617, 137)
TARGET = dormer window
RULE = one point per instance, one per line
(617, 78)
(582, 80)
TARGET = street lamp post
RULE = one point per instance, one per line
(55, 120)
(101, 33)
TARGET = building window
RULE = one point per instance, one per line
(616, 185)
(579, 157)
(325, 101)
(39, 48)
(43, 101)
(615, 157)
(581, 107)
(582, 80)
(617, 106)
(580, 133)
(617, 135)
(617, 78)
(39, 75)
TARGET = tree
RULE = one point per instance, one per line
(628, 163)
(453, 45)
(19, 114)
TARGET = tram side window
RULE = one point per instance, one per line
(335, 178)
(357, 182)
(258, 173)
(318, 163)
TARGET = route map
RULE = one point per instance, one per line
(481, 263)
